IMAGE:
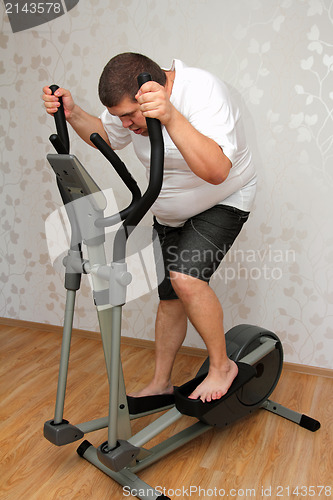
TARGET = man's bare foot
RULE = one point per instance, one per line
(216, 384)
(153, 389)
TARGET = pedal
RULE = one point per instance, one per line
(149, 403)
(219, 412)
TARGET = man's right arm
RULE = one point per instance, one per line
(82, 122)
(85, 124)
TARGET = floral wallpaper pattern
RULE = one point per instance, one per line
(277, 58)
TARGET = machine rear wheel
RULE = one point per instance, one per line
(242, 340)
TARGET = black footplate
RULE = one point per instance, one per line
(219, 412)
(149, 403)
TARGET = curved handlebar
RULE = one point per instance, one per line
(154, 186)
(125, 176)
(61, 125)
(116, 162)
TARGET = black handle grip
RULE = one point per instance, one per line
(143, 78)
(58, 145)
(153, 125)
(60, 121)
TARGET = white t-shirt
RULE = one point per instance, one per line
(205, 102)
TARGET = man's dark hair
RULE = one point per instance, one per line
(119, 77)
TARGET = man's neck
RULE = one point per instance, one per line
(170, 76)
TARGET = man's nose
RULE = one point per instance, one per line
(127, 122)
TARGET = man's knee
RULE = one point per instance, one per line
(167, 306)
(186, 286)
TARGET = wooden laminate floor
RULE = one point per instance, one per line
(261, 456)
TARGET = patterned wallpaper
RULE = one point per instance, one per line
(277, 58)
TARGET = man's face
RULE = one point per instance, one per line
(129, 113)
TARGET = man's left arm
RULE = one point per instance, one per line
(201, 153)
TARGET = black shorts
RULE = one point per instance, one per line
(196, 248)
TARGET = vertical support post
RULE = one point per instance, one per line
(105, 323)
(110, 327)
(64, 359)
(114, 376)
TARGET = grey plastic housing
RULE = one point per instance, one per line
(63, 433)
(119, 457)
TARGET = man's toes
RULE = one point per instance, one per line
(194, 395)
(206, 397)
